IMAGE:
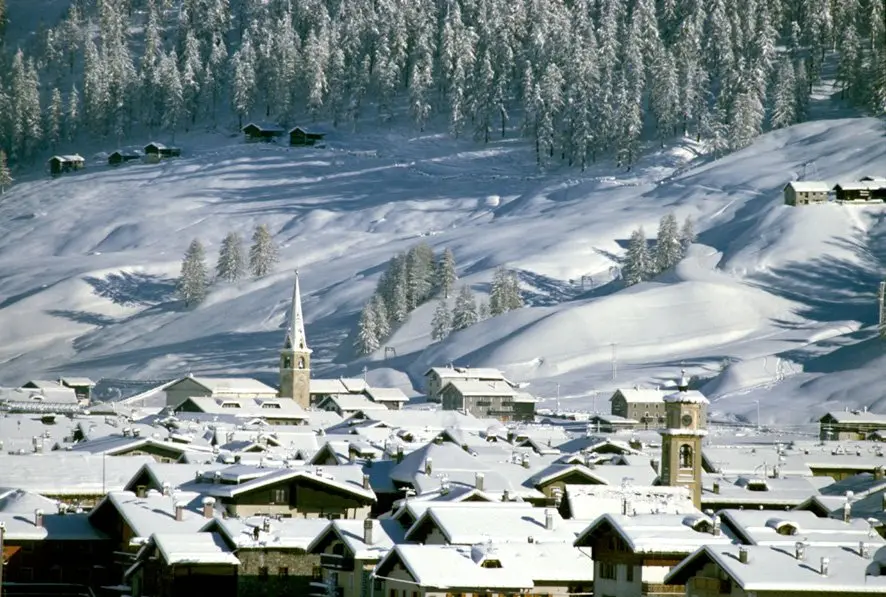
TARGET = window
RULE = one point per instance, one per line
(607, 570)
(483, 403)
(685, 456)
(725, 586)
(278, 496)
(287, 362)
(271, 405)
(231, 405)
(629, 574)
(263, 573)
(301, 363)
(283, 571)
(392, 593)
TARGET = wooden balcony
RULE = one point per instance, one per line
(336, 562)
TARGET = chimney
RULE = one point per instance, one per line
(525, 459)
(38, 518)
(549, 519)
(208, 507)
(367, 531)
(141, 491)
(478, 481)
(800, 550)
(399, 457)
(429, 465)
(715, 530)
(879, 473)
(216, 477)
(136, 432)
(167, 490)
(198, 477)
(366, 484)
(847, 512)
(179, 511)
(655, 464)
(127, 432)
(506, 496)
(863, 550)
(743, 554)
(825, 566)
(352, 456)
(266, 524)
(717, 487)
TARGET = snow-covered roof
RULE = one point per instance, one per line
(386, 394)
(233, 385)
(344, 478)
(758, 490)
(780, 527)
(269, 127)
(641, 395)
(659, 533)
(349, 403)
(55, 527)
(480, 373)
(155, 512)
(588, 502)
(41, 384)
(78, 381)
(270, 407)
(386, 533)
(860, 185)
(753, 460)
(687, 397)
(45, 394)
(68, 158)
(809, 186)
(470, 387)
(776, 570)
(431, 421)
(66, 473)
(465, 524)
(285, 533)
(17, 501)
(854, 416)
(194, 548)
(175, 475)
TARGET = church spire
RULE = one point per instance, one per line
(295, 333)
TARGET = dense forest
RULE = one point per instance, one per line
(582, 79)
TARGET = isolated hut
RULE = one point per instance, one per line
(302, 136)
(262, 132)
(59, 164)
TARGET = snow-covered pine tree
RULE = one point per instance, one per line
(638, 264)
(420, 263)
(513, 298)
(191, 76)
(668, 250)
(745, 118)
(231, 259)
(801, 90)
(498, 295)
(445, 275)
(5, 174)
(398, 309)
(382, 327)
(263, 252)
(367, 340)
(54, 118)
(173, 92)
(243, 83)
(483, 310)
(687, 233)
(72, 117)
(441, 323)
(194, 280)
(784, 106)
(464, 314)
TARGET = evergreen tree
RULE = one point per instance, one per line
(191, 75)
(72, 118)
(193, 282)
(367, 333)
(380, 311)
(398, 309)
(784, 109)
(464, 314)
(173, 92)
(5, 175)
(263, 253)
(419, 274)
(746, 118)
(243, 84)
(505, 295)
(231, 259)
(441, 323)
(54, 118)
(668, 250)
(687, 233)
(445, 279)
(484, 312)
(638, 264)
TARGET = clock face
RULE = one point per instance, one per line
(686, 420)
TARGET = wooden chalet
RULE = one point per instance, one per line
(260, 132)
(300, 136)
(120, 157)
(154, 152)
(59, 164)
(868, 190)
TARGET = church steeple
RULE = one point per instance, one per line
(295, 357)
(295, 332)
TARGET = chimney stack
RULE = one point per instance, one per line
(715, 530)
(216, 477)
(366, 484)
(399, 455)
(800, 550)
(863, 550)
(478, 481)
(167, 490)
(429, 465)
(549, 519)
(506, 496)
(717, 487)
(136, 432)
(825, 566)
(743, 554)
(352, 456)
(266, 524)
(367, 531)
(198, 477)
(879, 473)
(208, 507)
(525, 459)
(38, 518)
(847, 512)
(179, 511)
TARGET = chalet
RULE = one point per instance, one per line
(262, 132)
(770, 571)
(60, 164)
(438, 377)
(306, 492)
(805, 192)
(54, 547)
(82, 387)
(350, 549)
(154, 152)
(645, 405)
(348, 405)
(301, 136)
(860, 191)
(494, 399)
(392, 398)
(323, 388)
(633, 554)
(121, 157)
(469, 524)
(176, 564)
(216, 387)
(850, 425)
(273, 411)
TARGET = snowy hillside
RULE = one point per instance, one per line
(88, 261)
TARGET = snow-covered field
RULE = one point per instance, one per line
(786, 296)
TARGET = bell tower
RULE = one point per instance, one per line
(681, 439)
(295, 357)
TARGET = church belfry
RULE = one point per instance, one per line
(681, 440)
(295, 357)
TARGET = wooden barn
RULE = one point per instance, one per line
(863, 190)
(154, 152)
(59, 164)
(301, 136)
(804, 192)
(120, 157)
(262, 132)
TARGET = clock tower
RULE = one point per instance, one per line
(681, 440)
(295, 357)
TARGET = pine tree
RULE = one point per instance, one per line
(464, 314)
(173, 93)
(72, 118)
(231, 259)
(687, 233)
(445, 279)
(367, 333)
(193, 282)
(638, 264)
(505, 295)
(484, 312)
(513, 298)
(380, 310)
(441, 323)
(419, 274)
(5, 175)
(263, 253)
(243, 84)
(54, 118)
(784, 109)
(668, 250)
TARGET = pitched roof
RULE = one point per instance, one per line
(467, 524)
(687, 397)
(285, 533)
(658, 533)
(66, 473)
(641, 395)
(154, 513)
(344, 478)
(194, 548)
(233, 385)
(265, 126)
(469, 387)
(588, 502)
(779, 527)
(483, 373)
(809, 186)
(386, 394)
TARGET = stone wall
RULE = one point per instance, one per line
(271, 572)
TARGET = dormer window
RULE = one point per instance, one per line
(491, 564)
(270, 405)
(231, 405)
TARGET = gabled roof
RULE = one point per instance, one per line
(285, 533)
(78, 381)
(679, 534)
(269, 127)
(306, 130)
(155, 144)
(342, 478)
(809, 186)
(481, 373)
(66, 473)
(230, 385)
(640, 395)
(349, 403)
(467, 387)
(153, 513)
(385, 534)
(687, 397)
(467, 524)
(588, 502)
(386, 394)
(193, 549)
(67, 158)
(56, 527)
(780, 527)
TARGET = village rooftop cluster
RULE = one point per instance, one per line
(332, 487)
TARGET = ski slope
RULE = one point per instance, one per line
(786, 296)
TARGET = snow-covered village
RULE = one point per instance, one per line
(442, 298)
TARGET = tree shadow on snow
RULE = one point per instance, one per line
(134, 289)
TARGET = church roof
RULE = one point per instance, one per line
(296, 338)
